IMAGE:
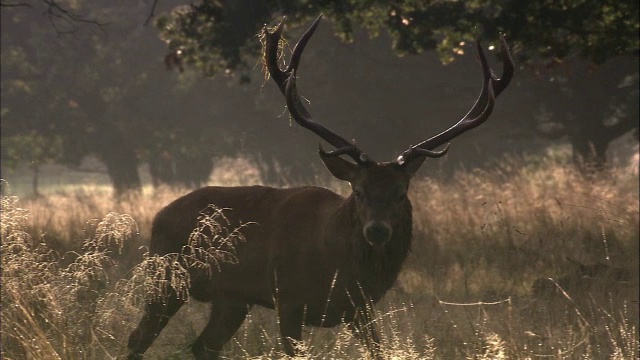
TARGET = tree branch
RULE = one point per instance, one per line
(152, 13)
(54, 10)
(10, 5)
(63, 13)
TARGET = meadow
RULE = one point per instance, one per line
(527, 260)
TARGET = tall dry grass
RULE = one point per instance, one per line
(527, 260)
(530, 253)
(52, 302)
(533, 215)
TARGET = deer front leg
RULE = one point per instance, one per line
(225, 319)
(291, 318)
(365, 329)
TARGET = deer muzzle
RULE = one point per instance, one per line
(377, 233)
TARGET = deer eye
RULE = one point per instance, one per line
(358, 194)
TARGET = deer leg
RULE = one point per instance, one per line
(291, 318)
(155, 318)
(224, 321)
(365, 329)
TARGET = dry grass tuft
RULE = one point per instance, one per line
(210, 244)
(110, 231)
(49, 301)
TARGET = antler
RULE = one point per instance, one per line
(286, 81)
(492, 86)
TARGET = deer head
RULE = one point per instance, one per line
(379, 188)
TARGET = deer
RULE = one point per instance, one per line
(315, 257)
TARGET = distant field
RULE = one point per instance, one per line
(527, 260)
(53, 179)
(92, 176)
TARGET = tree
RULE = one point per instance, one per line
(217, 36)
(94, 89)
(51, 97)
(33, 149)
(591, 106)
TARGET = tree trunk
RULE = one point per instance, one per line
(193, 171)
(35, 180)
(122, 163)
(593, 107)
(162, 169)
(110, 143)
(123, 172)
(187, 171)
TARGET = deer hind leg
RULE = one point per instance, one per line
(224, 320)
(155, 318)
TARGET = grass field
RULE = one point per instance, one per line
(528, 260)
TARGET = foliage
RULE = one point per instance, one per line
(31, 148)
(218, 35)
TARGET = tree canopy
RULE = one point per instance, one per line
(219, 35)
(543, 34)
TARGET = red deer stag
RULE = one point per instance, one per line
(315, 257)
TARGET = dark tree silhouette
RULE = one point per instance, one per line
(217, 36)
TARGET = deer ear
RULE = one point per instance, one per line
(412, 166)
(340, 168)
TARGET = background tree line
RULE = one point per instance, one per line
(90, 78)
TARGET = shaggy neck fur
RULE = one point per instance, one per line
(372, 270)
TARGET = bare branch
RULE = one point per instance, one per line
(56, 11)
(152, 13)
(59, 11)
(10, 5)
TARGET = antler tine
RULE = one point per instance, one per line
(286, 81)
(302, 43)
(507, 68)
(492, 86)
(272, 40)
(343, 147)
(498, 84)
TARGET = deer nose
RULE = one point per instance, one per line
(377, 233)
